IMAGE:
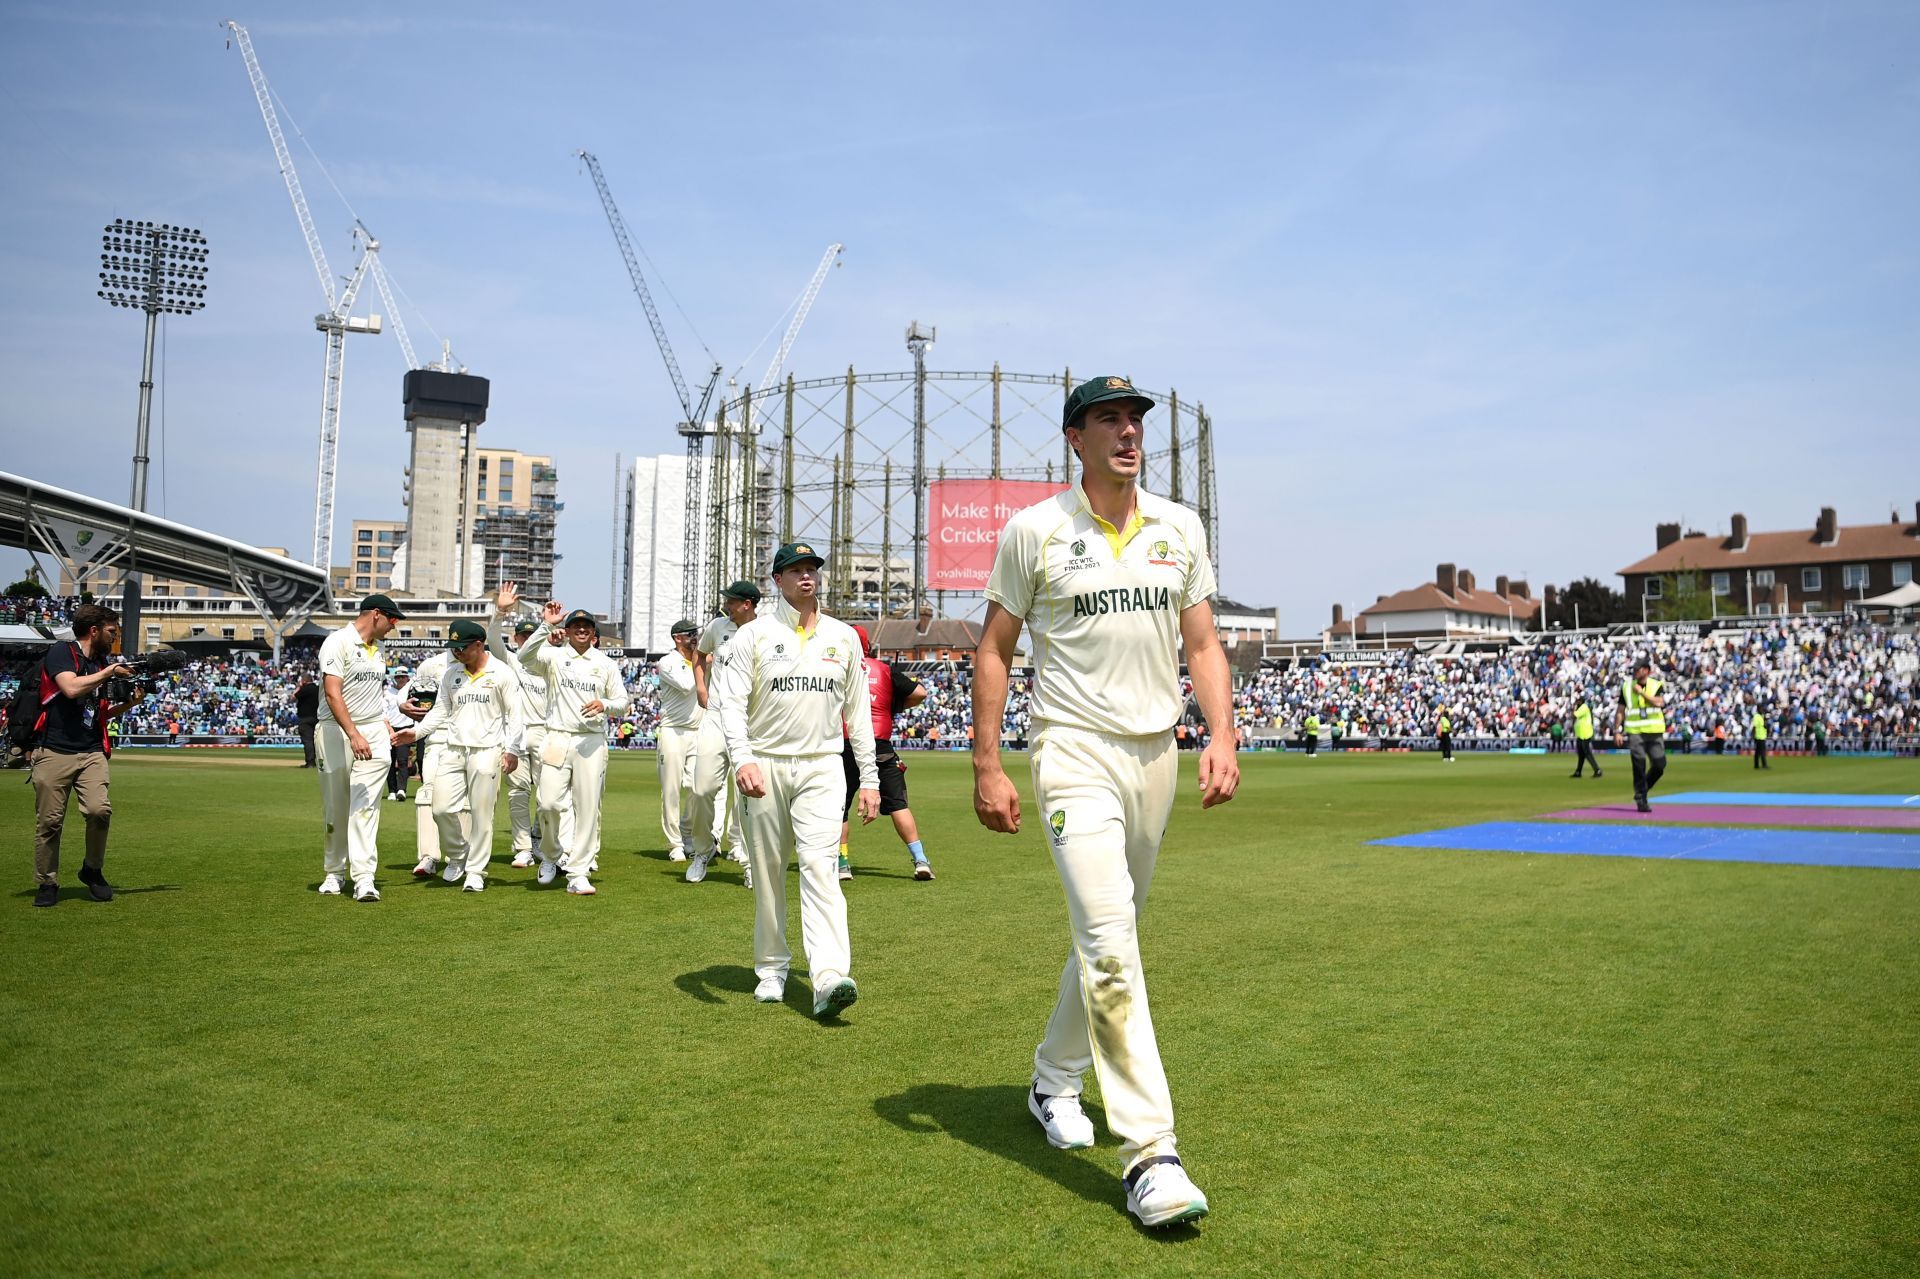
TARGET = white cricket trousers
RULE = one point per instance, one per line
(712, 781)
(520, 805)
(801, 811)
(426, 834)
(573, 768)
(1104, 801)
(466, 782)
(523, 789)
(675, 759)
(351, 791)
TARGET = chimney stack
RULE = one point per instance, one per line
(1500, 586)
(1738, 542)
(1521, 589)
(1826, 530)
(1339, 615)
(1665, 535)
(1443, 577)
(1465, 578)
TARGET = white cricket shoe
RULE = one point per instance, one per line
(1161, 1194)
(425, 869)
(771, 990)
(836, 998)
(452, 874)
(697, 868)
(364, 891)
(474, 884)
(676, 856)
(1066, 1125)
(738, 857)
(330, 886)
(581, 886)
(547, 871)
(523, 860)
(746, 875)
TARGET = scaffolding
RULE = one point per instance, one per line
(846, 462)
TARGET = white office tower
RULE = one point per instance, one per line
(444, 410)
(656, 550)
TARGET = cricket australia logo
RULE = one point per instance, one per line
(1057, 824)
(1162, 554)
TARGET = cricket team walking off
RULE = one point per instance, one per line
(778, 707)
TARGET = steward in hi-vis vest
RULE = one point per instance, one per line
(1760, 739)
(1646, 726)
(1583, 736)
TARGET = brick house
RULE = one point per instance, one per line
(1794, 571)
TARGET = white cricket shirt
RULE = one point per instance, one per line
(785, 692)
(533, 683)
(361, 669)
(1103, 608)
(679, 706)
(478, 711)
(573, 680)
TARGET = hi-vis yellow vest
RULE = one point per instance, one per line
(1642, 718)
(1583, 722)
(1759, 727)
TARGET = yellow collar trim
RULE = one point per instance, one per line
(1117, 538)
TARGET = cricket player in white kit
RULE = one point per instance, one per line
(714, 812)
(675, 735)
(479, 731)
(530, 834)
(1109, 581)
(355, 745)
(585, 689)
(790, 680)
(415, 705)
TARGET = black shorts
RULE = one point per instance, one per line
(893, 778)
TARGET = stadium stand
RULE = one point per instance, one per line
(1856, 679)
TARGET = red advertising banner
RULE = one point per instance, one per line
(964, 519)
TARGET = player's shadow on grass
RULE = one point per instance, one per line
(995, 1119)
(702, 985)
(80, 892)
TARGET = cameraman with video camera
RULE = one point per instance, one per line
(70, 755)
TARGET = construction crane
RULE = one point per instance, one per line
(828, 261)
(338, 319)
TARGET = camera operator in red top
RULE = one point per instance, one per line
(888, 691)
(71, 750)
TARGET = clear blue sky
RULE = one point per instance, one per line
(1503, 284)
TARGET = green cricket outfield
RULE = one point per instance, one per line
(1385, 1061)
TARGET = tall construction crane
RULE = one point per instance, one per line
(694, 424)
(828, 261)
(338, 319)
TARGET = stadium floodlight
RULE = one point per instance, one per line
(160, 269)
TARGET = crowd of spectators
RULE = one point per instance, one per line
(1842, 678)
(37, 610)
(1845, 678)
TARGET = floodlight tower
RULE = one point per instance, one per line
(918, 340)
(160, 269)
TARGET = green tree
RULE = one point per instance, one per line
(1682, 598)
(27, 588)
(1598, 605)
